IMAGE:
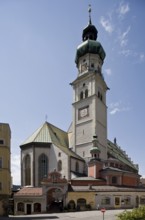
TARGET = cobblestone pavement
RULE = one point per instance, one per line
(88, 215)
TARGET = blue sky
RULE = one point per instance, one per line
(38, 41)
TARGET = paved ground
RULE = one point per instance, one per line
(88, 215)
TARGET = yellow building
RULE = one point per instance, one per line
(5, 172)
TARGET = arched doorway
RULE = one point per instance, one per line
(54, 200)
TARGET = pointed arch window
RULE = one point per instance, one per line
(43, 166)
(59, 165)
(27, 170)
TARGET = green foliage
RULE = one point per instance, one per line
(135, 214)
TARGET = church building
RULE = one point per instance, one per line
(72, 168)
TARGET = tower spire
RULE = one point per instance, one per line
(89, 10)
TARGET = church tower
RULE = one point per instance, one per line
(89, 95)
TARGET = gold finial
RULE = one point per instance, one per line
(89, 10)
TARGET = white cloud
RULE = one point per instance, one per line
(141, 57)
(123, 9)
(123, 37)
(114, 111)
(106, 24)
(15, 169)
(108, 71)
(117, 107)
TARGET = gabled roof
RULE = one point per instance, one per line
(49, 133)
(116, 152)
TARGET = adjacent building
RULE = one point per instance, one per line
(5, 171)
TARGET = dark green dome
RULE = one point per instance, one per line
(90, 46)
(90, 32)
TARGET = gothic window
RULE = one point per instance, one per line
(27, 162)
(86, 93)
(20, 207)
(59, 154)
(77, 166)
(114, 180)
(59, 165)
(43, 166)
(81, 95)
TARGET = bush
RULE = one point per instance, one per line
(135, 214)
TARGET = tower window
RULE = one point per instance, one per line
(59, 165)
(84, 84)
(59, 154)
(81, 95)
(92, 65)
(86, 93)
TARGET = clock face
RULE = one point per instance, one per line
(83, 112)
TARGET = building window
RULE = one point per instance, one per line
(59, 165)
(86, 93)
(92, 65)
(37, 207)
(59, 154)
(0, 185)
(127, 200)
(142, 200)
(105, 201)
(81, 203)
(77, 166)
(1, 141)
(1, 163)
(20, 207)
(81, 95)
(43, 167)
(27, 170)
(114, 180)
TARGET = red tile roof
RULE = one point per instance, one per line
(30, 191)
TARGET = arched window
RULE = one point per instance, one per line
(27, 162)
(86, 93)
(20, 207)
(59, 165)
(81, 203)
(81, 95)
(37, 207)
(43, 166)
(77, 166)
(114, 180)
(71, 205)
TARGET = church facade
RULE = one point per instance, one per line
(71, 169)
